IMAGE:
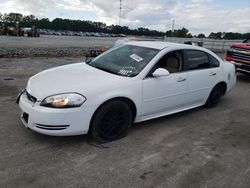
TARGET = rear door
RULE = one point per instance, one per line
(202, 75)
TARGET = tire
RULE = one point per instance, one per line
(111, 121)
(214, 97)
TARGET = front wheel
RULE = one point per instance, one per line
(111, 121)
(214, 97)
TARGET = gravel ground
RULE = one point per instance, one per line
(51, 46)
(56, 46)
(43, 52)
(53, 41)
(197, 148)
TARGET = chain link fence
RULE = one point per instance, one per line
(215, 45)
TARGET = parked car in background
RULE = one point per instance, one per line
(239, 54)
(195, 43)
(129, 83)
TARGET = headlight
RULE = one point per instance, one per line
(67, 100)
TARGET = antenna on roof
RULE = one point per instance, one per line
(120, 16)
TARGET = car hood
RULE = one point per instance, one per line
(79, 77)
(242, 45)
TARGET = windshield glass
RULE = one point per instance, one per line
(126, 60)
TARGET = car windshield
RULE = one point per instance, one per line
(127, 60)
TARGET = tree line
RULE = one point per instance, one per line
(74, 25)
(91, 26)
(229, 35)
(219, 35)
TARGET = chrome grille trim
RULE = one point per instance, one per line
(241, 49)
(240, 56)
(240, 53)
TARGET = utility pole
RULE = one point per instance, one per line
(172, 34)
(120, 16)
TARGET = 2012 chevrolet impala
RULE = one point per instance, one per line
(133, 82)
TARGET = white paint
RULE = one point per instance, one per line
(153, 97)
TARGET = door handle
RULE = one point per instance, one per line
(212, 74)
(181, 79)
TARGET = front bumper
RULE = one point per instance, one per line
(55, 122)
(242, 67)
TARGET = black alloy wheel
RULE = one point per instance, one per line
(111, 121)
(214, 97)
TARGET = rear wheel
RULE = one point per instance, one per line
(111, 121)
(215, 96)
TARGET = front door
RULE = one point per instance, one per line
(166, 93)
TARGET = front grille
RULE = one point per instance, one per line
(241, 54)
(242, 66)
(52, 127)
(240, 49)
(31, 98)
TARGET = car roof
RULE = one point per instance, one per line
(161, 45)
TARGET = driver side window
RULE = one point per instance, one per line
(172, 61)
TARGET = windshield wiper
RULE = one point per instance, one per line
(105, 69)
(128, 75)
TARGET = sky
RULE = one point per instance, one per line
(198, 16)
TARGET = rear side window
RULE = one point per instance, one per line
(197, 60)
(213, 62)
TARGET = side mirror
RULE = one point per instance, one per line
(160, 72)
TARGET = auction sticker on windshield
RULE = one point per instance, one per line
(136, 58)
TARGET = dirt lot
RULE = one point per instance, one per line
(198, 148)
(52, 41)
(51, 46)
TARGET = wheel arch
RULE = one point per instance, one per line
(127, 100)
(223, 85)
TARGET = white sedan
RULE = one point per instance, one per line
(133, 82)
